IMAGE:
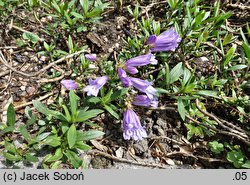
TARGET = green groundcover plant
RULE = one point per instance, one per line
(154, 65)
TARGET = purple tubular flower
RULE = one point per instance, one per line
(124, 78)
(151, 39)
(69, 84)
(166, 41)
(144, 86)
(95, 85)
(90, 57)
(143, 100)
(132, 126)
(141, 60)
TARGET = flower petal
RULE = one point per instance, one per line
(69, 84)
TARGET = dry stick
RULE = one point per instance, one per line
(30, 103)
(219, 131)
(23, 30)
(45, 80)
(234, 126)
(4, 72)
(8, 83)
(3, 60)
(167, 138)
(96, 152)
(209, 159)
(242, 7)
(219, 122)
(147, 8)
(43, 69)
(181, 153)
(8, 47)
(161, 108)
(213, 46)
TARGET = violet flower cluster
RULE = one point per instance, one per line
(132, 128)
(94, 85)
(167, 41)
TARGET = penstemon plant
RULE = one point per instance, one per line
(166, 41)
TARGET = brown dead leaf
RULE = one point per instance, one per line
(99, 146)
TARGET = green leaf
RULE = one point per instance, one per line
(162, 91)
(227, 39)
(67, 114)
(94, 100)
(175, 73)
(7, 130)
(167, 75)
(85, 5)
(247, 50)
(208, 93)
(31, 117)
(189, 88)
(81, 29)
(230, 54)
(58, 155)
(221, 19)
(216, 147)
(216, 8)
(85, 115)
(73, 158)
(193, 130)
(11, 115)
(70, 44)
(92, 124)
(94, 13)
(77, 15)
(88, 135)
(52, 141)
(237, 67)
(118, 94)
(236, 158)
(181, 108)
(1, 3)
(56, 7)
(71, 136)
(73, 104)
(24, 132)
(41, 122)
(82, 146)
(31, 37)
(10, 147)
(106, 98)
(246, 164)
(172, 3)
(64, 128)
(111, 111)
(31, 158)
(42, 136)
(186, 76)
(55, 165)
(12, 157)
(44, 110)
(46, 46)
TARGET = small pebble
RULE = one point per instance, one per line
(22, 88)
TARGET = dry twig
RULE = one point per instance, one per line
(3, 60)
(243, 139)
(99, 153)
(30, 103)
(220, 123)
(238, 6)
